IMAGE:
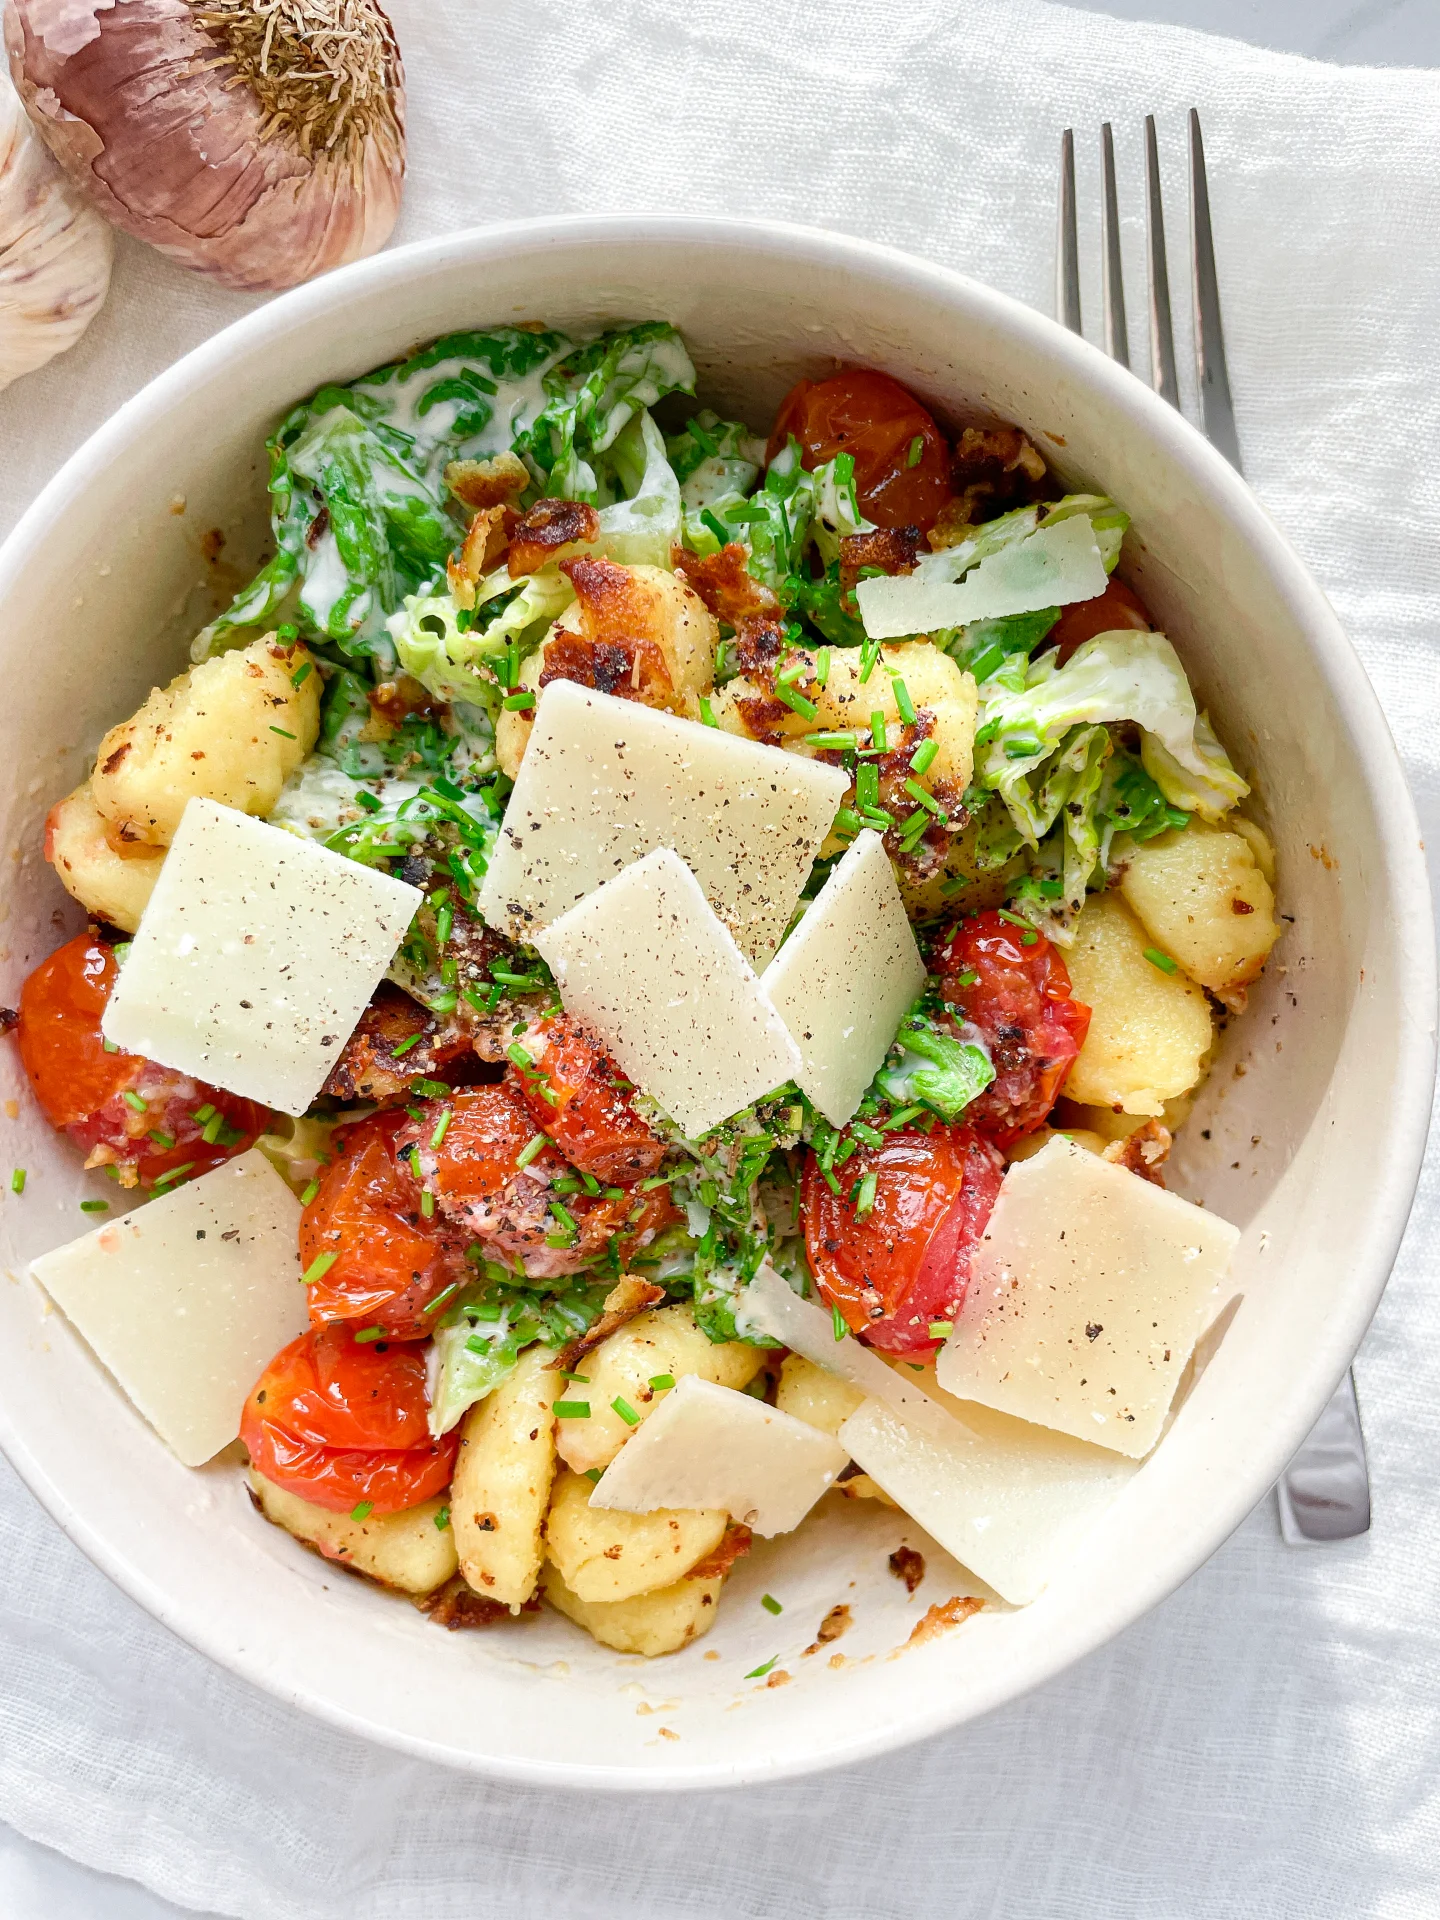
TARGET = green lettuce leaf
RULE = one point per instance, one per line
(592, 396)
(714, 459)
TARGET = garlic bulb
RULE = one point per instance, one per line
(54, 252)
(259, 141)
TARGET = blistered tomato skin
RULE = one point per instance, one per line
(339, 1421)
(1116, 609)
(82, 1087)
(906, 1263)
(577, 1100)
(873, 418)
(1016, 992)
(390, 1259)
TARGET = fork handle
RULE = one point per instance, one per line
(1324, 1493)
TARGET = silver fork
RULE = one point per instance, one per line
(1324, 1494)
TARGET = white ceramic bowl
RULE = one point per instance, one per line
(1308, 1134)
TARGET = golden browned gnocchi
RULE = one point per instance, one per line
(660, 1343)
(113, 884)
(604, 1555)
(1149, 1028)
(811, 1394)
(503, 1476)
(407, 1551)
(1202, 897)
(651, 1624)
(232, 729)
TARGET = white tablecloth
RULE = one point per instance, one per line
(1268, 1742)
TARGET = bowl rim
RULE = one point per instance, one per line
(1402, 875)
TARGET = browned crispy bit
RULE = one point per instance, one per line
(616, 647)
(945, 1614)
(1144, 1151)
(891, 549)
(734, 1544)
(908, 1565)
(478, 484)
(632, 668)
(457, 1605)
(369, 1067)
(394, 700)
(480, 550)
(725, 584)
(543, 532)
(759, 643)
(836, 1622)
(629, 1296)
(994, 469)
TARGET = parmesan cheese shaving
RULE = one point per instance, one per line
(1051, 568)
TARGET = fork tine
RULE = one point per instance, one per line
(1217, 410)
(1067, 243)
(1162, 333)
(1117, 336)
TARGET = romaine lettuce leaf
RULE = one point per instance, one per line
(712, 459)
(592, 396)
(641, 528)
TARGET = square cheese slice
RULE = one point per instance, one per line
(645, 965)
(606, 781)
(845, 977)
(255, 957)
(1089, 1289)
(1009, 1499)
(187, 1298)
(707, 1446)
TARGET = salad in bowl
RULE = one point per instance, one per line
(643, 978)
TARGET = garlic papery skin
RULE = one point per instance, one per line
(54, 251)
(258, 141)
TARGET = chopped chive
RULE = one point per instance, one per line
(302, 673)
(564, 1216)
(165, 1141)
(444, 925)
(592, 1474)
(869, 654)
(902, 1118)
(847, 822)
(572, 1409)
(707, 712)
(132, 1099)
(879, 818)
(759, 1673)
(1023, 746)
(926, 800)
(583, 1378)
(410, 1040)
(432, 1306)
(212, 1129)
(318, 1268)
(770, 1603)
(941, 1329)
(442, 1519)
(1161, 960)
(796, 702)
(363, 1510)
(287, 632)
(877, 731)
(518, 702)
(837, 1321)
(822, 667)
(369, 801)
(427, 1206)
(367, 1334)
(656, 1180)
(924, 756)
(867, 1134)
(968, 978)
(865, 1198)
(832, 741)
(626, 1412)
(110, 1046)
(661, 1382)
(522, 982)
(915, 450)
(867, 786)
(443, 1003)
(17, 1180)
(1015, 919)
(788, 675)
(903, 700)
(442, 1127)
(720, 532)
(283, 733)
(430, 1089)
(949, 888)
(202, 1114)
(173, 1174)
(531, 1149)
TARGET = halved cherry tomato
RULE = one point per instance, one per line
(390, 1259)
(898, 482)
(340, 1421)
(1116, 608)
(1011, 983)
(124, 1111)
(907, 1262)
(575, 1099)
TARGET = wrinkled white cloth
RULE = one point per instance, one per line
(1268, 1742)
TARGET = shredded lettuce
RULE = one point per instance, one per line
(714, 459)
(492, 1328)
(640, 528)
(928, 1066)
(592, 396)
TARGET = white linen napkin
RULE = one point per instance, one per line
(1268, 1742)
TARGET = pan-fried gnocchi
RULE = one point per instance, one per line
(652, 1624)
(1203, 898)
(604, 1555)
(408, 1551)
(503, 1474)
(111, 882)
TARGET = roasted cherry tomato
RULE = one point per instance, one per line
(491, 1175)
(577, 1099)
(1011, 984)
(902, 460)
(391, 1259)
(906, 1262)
(341, 1421)
(1116, 608)
(144, 1120)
